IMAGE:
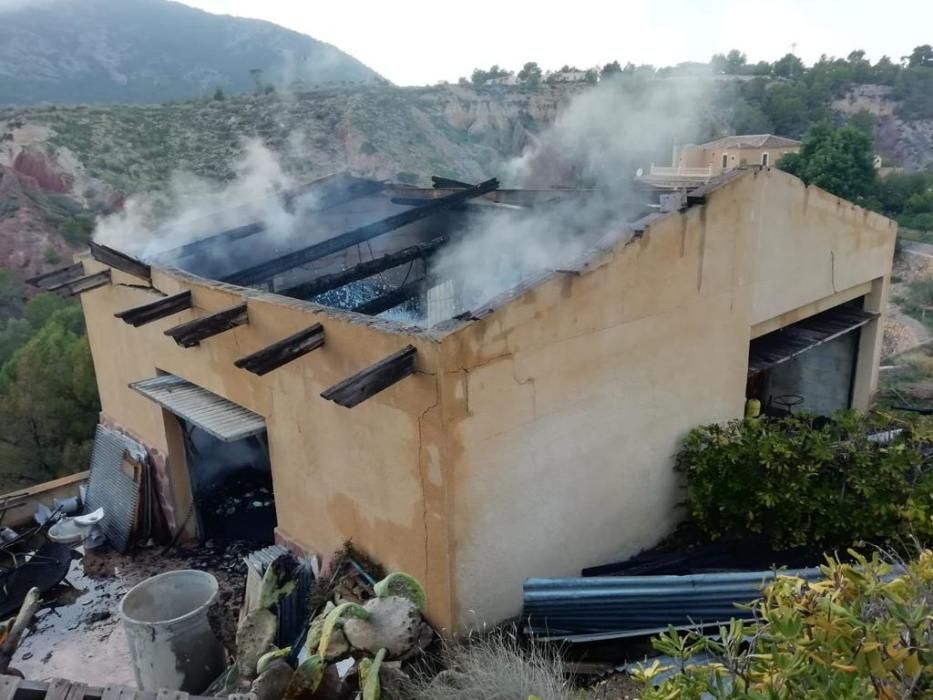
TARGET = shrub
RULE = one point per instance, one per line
(863, 631)
(800, 480)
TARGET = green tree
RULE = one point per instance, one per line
(12, 295)
(921, 57)
(530, 73)
(735, 62)
(610, 69)
(48, 401)
(219, 95)
(864, 120)
(788, 67)
(838, 160)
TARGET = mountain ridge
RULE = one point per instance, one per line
(149, 51)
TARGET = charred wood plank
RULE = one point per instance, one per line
(57, 277)
(389, 300)
(190, 334)
(270, 268)
(482, 204)
(120, 261)
(445, 183)
(370, 381)
(332, 195)
(82, 284)
(368, 268)
(284, 351)
(147, 313)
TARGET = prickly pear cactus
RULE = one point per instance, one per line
(404, 586)
(369, 676)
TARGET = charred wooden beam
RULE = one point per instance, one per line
(120, 261)
(389, 300)
(482, 204)
(82, 284)
(276, 266)
(332, 195)
(445, 183)
(190, 334)
(147, 313)
(368, 268)
(284, 351)
(369, 382)
(57, 277)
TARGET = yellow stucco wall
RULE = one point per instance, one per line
(565, 407)
(539, 439)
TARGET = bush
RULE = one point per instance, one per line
(799, 480)
(862, 632)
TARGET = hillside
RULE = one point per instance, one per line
(148, 51)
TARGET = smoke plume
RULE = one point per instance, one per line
(598, 142)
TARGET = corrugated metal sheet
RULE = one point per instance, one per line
(787, 343)
(612, 607)
(221, 418)
(110, 486)
(293, 611)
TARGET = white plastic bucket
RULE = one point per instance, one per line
(167, 628)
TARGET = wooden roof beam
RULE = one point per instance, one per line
(120, 261)
(57, 277)
(147, 313)
(284, 351)
(190, 334)
(82, 284)
(368, 268)
(303, 256)
(370, 381)
(389, 300)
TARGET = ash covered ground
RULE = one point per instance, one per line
(78, 635)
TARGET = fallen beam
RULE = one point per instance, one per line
(147, 313)
(368, 268)
(389, 300)
(276, 266)
(57, 277)
(482, 204)
(82, 284)
(445, 183)
(284, 351)
(370, 381)
(190, 334)
(120, 261)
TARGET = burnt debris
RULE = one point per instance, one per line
(391, 299)
(284, 351)
(120, 261)
(271, 268)
(370, 381)
(147, 313)
(190, 334)
(368, 268)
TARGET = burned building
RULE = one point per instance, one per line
(352, 373)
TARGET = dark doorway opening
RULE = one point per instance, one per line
(231, 486)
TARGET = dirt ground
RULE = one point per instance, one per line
(618, 686)
(79, 636)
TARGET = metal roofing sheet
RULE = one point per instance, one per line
(597, 608)
(787, 343)
(221, 418)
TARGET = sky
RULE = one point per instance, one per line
(421, 42)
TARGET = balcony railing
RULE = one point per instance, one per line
(698, 173)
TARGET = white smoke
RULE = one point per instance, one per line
(598, 142)
(190, 208)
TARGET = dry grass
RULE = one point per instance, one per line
(495, 667)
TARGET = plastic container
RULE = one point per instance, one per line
(169, 635)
